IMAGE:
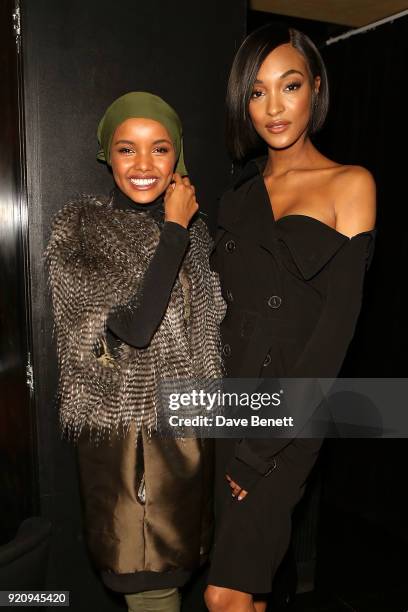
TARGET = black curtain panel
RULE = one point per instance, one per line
(363, 518)
(367, 125)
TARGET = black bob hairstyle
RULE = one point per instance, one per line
(242, 139)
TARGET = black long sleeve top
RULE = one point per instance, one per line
(136, 323)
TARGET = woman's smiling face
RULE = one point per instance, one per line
(142, 159)
(281, 101)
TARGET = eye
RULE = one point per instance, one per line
(161, 150)
(126, 151)
(257, 93)
(293, 86)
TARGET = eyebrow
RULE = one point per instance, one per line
(163, 140)
(130, 142)
(284, 75)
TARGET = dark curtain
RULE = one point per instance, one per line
(367, 125)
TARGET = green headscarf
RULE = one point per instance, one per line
(140, 104)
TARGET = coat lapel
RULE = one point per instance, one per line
(246, 212)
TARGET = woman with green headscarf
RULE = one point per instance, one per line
(135, 303)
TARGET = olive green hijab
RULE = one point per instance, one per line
(140, 104)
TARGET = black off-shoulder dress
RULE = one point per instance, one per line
(294, 289)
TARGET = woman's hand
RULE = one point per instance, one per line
(180, 204)
(237, 491)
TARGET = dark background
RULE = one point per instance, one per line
(76, 57)
(364, 503)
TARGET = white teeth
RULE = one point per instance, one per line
(142, 181)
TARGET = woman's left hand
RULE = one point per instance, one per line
(237, 491)
(180, 204)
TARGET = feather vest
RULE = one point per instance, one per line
(97, 256)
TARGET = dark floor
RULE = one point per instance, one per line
(395, 600)
(363, 567)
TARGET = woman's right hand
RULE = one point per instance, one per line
(180, 204)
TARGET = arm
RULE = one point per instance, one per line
(137, 322)
(326, 349)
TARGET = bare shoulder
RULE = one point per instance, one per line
(354, 200)
(354, 178)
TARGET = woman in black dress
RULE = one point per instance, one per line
(295, 234)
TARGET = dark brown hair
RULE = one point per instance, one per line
(242, 138)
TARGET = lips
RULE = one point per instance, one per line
(143, 183)
(276, 127)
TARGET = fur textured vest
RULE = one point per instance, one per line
(97, 256)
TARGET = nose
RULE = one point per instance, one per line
(275, 104)
(143, 162)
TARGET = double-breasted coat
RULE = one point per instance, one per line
(294, 289)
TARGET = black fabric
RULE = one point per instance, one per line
(252, 535)
(294, 291)
(137, 322)
(247, 465)
(23, 561)
(122, 202)
(306, 263)
(145, 581)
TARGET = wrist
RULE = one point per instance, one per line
(174, 219)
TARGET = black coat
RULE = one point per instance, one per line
(294, 290)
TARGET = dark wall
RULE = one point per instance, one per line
(79, 56)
